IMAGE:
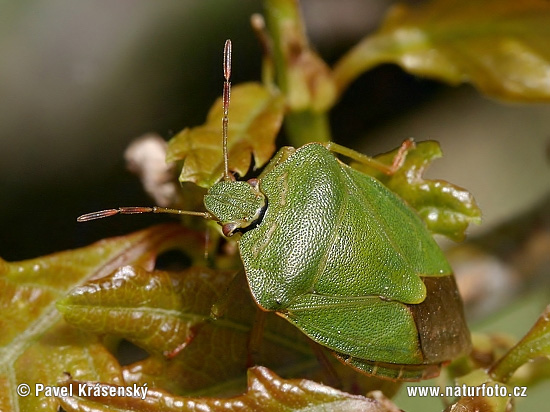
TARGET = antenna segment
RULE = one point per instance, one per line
(226, 99)
(139, 209)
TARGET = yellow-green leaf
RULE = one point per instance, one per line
(255, 117)
(446, 208)
(59, 351)
(36, 345)
(480, 384)
(488, 386)
(536, 343)
(500, 46)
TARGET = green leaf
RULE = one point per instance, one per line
(255, 117)
(36, 345)
(533, 346)
(266, 392)
(536, 343)
(447, 209)
(500, 46)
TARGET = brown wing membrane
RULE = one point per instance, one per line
(442, 329)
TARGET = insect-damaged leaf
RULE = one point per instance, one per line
(447, 209)
(266, 392)
(36, 345)
(216, 359)
(158, 311)
(214, 363)
(501, 46)
(255, 117)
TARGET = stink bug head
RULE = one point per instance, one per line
(237, 206)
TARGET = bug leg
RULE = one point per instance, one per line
(232, 293)
(255, 338)
(330, 373)
(389, 170)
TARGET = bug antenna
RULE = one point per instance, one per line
(226, 99)
(226, 176)
(138, 209)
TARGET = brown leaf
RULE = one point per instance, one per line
(36, 346)
(158, 311)
(215, 361)
(266, 392)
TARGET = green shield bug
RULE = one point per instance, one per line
(340, 256)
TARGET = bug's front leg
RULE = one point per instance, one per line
(232, 294)
(255, 338)
(389, 170)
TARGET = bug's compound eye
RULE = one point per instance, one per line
(229, 229)
(253, 182)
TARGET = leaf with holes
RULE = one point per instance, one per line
(169, 315)
(158, 311)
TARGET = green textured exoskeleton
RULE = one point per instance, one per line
(344, 259)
